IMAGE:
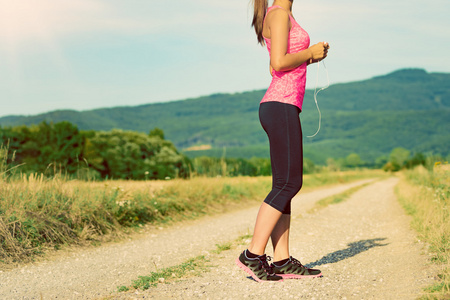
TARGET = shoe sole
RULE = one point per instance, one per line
(250, 272)
(295, 276)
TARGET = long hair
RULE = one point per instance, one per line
(259, 13)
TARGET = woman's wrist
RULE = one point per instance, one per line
(310, 55)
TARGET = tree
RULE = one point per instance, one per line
(157, 132)
(417, 159)
(381, 161)
(134, 155)
(43, 145)
(353, 160)
(333, 165)
(398, 157)
(308, 166)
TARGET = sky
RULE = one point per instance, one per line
(87, 54)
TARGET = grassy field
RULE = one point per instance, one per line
(425, 196)
(38, 213)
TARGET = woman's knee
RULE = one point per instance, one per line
(289, 189)
(295, 185)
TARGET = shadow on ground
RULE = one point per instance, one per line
(352, 250)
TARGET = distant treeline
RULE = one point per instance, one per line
(61, 147)
(52, 148)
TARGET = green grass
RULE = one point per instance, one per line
(243, 239)
(335, 199)
(424, 195)
(192, 267)
(223, 247)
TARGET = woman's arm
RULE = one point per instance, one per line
(279, 24)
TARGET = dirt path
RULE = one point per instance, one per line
(363, 246)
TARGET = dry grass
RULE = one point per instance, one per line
(37, 213)
(425, 196)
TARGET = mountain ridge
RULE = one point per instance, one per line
(406, 108)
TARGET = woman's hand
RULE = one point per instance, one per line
(318, 52)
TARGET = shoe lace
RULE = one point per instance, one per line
(265, 264)
(297, 262)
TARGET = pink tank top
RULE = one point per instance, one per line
(289, 86)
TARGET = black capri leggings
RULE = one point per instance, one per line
(281, 122)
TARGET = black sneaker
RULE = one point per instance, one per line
(294, 269)
(258, 268)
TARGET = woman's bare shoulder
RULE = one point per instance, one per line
(277, 14)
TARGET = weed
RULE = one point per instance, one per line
(193, 266)
(122, 288)
(222, 247)
(243, 239)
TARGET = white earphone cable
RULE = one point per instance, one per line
(317, 92)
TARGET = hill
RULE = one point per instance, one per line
(408, 108)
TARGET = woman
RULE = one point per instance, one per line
(289, 50)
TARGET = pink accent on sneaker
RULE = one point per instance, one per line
(246, 269)
(295, 276)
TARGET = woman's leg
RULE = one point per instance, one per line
(280, 238)
(265, 223)
(282, 124)
(271, 223)
(293, 179)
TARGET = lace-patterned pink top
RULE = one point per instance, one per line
(289, 86)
